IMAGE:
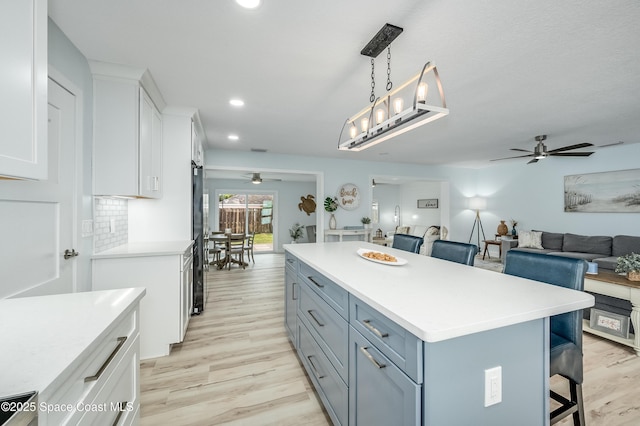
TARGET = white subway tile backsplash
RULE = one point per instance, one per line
(105, 210)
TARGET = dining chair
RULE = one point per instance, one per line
(407, 242)
(454, 251)
(216, 248)
(249, 247)
(236, 250)
(565, 356)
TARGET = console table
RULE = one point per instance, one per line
(614, 285)
(365, 233)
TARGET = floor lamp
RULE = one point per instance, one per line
(477, 204)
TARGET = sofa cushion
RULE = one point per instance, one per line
(552, 240)
(584, 244)
(625, 244)
(530, 239)
(417, 230)
(608, 263)
(402, 230)
(532, 250)
(576, 255)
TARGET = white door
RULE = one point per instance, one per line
(39, 217)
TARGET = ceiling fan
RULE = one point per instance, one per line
(540, 151)
(257, 179)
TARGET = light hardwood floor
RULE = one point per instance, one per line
(236, 366)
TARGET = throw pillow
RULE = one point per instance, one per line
(530, 239)
(433, 230)
(402, 229)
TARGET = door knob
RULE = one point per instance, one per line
(70, 253)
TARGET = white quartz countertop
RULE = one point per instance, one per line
(156, 248)
(435, 299)
(42, 337)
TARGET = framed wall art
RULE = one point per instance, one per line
(428, 203)
(605, 192)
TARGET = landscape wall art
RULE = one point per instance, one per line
(606, 192)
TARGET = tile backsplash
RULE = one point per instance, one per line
(110, 213)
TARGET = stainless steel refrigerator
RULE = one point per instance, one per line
(199, 286)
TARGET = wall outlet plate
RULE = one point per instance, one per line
(492, 386)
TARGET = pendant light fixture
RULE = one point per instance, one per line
(405, 108)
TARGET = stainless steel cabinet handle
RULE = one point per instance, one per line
(367, 323)
(366, 353)
(314, 318)
(121, 341)
(122, 406)
(290, 260)
(315, 282)
(313, 367)
(293, 291)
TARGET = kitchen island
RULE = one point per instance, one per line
(79, 351)
(418, 343)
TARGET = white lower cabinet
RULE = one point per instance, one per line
(109, 375)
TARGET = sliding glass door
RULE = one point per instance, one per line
(248, 213)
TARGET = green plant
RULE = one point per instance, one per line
(628, 263)
(295, 231)
(365, 220)
(331, 204)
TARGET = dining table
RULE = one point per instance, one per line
(225, 240)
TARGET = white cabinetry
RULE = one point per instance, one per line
(23, 94)
(165, 270)
(127, 152)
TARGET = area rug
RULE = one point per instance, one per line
(490, 264)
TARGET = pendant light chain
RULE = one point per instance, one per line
(373, 82)
(389, 83)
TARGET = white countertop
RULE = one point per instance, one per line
(435, 299)
(156, 248)
(43, 336)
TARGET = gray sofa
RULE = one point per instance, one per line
(602, 250)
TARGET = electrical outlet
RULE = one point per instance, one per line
(492, 386)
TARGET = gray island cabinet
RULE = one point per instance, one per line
(410, 344)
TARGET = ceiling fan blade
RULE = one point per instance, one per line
(570, 154)
(570, 147)
(533, 160)
(508, 158)
(522, 150)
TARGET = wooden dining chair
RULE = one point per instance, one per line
(236, 250)
(249, 247)
(216, 248)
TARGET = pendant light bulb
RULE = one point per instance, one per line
(364, 124)
(353, 131)
(398, 105)
(379, 115)
(422, 92)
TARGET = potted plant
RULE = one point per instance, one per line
(629, 263)
(330, 206)
(296, 232)
(366, 221)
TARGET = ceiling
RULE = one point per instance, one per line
(511, 70)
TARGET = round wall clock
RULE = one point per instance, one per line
(348, 196)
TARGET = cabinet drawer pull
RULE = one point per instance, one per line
(104, 366)
(367, 323)
(313, 367)
(314, 318)
(315, 282)
(293, 291)
(122, 406)
(290, 260)
(366, 353)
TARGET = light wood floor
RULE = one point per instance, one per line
(236, 366)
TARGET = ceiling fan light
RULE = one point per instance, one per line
(249, 4)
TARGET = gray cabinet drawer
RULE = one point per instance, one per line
(379, 392)
(332, 293)
(401, 347)
(291, 261)
(330, 387)
(328, 328)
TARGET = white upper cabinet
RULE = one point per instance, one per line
(23, 89)
(127, 132)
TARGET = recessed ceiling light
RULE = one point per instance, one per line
(236, 102)
(233, 137)
(249, 4)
